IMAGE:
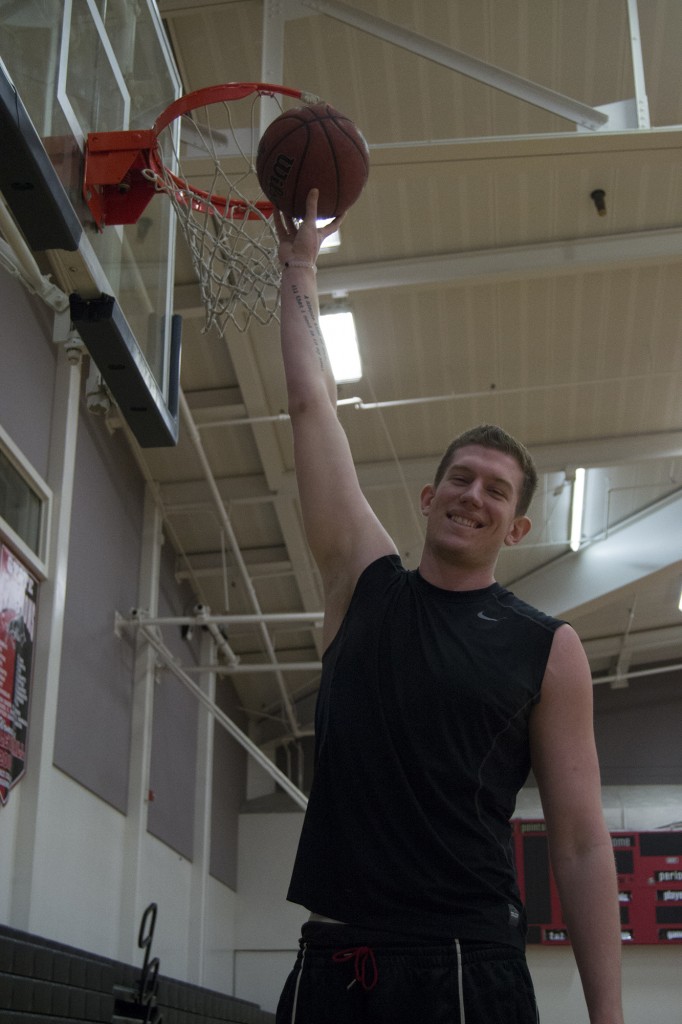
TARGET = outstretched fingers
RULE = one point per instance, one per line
(324, 230)
(304, 237)
(311, 205)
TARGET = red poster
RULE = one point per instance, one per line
(18, 590)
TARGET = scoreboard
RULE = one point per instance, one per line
(649, 867)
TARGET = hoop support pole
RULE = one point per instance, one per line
(114, 186)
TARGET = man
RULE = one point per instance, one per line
(439, 691)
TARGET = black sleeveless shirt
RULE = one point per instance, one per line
(421, 748)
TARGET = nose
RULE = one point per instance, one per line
(473, 493)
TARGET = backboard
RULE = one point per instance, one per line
(70, 67)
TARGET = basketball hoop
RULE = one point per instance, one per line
(227, 222)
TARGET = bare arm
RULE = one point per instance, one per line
(566, 767)
(342, 530)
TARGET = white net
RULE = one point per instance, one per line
(223, 214)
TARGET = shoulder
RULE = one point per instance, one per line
(567, 683)
(508, 600)
(567, 658)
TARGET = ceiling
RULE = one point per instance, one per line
(485, 287)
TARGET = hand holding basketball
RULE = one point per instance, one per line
(312, 147)
(303, 243)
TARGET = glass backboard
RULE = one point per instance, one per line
(79, 66)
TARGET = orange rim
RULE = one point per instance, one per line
(228, 92)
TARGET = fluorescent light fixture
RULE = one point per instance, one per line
(577, 509)
(680, 604)
(338, 329)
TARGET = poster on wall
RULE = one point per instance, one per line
(18, 591)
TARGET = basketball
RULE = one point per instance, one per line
(312, 147)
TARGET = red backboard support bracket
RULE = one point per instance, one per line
(114, 187)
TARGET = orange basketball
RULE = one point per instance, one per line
(312, 147)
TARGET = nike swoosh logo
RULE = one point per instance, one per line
(482, 615)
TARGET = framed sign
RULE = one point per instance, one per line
(18, 592)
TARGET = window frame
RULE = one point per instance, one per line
(35, 561)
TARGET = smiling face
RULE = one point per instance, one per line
(471, 515)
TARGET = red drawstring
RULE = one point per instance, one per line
(365, 965)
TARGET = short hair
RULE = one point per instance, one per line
(489, 436)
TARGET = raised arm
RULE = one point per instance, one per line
(566, 767)
(343, 533)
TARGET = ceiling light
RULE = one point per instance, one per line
(338, 329)
(680, 603)
(577, 509)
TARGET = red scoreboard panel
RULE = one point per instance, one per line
(649, 866)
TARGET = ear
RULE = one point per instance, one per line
(518, 530)
(425, 499)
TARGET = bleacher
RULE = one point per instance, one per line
(45, 982)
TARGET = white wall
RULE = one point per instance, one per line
(77, 868)
(8, 831)
(267, 926)
(642, 808)
(652, 987)
(220, 941)
(79, 883)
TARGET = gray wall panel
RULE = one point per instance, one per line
(638, 731)
(27, 373)
(229, 788)
(92, 742)
(174, 736)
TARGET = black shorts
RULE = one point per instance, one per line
(344, 975)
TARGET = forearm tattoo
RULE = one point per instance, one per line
(307, 311)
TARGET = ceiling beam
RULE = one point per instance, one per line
(641, 641)
(569, 256)
(577, 255)
(585, 579)
(551, 458)
(472, 67)
(180, 8)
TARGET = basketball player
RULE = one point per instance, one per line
(440, 689)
